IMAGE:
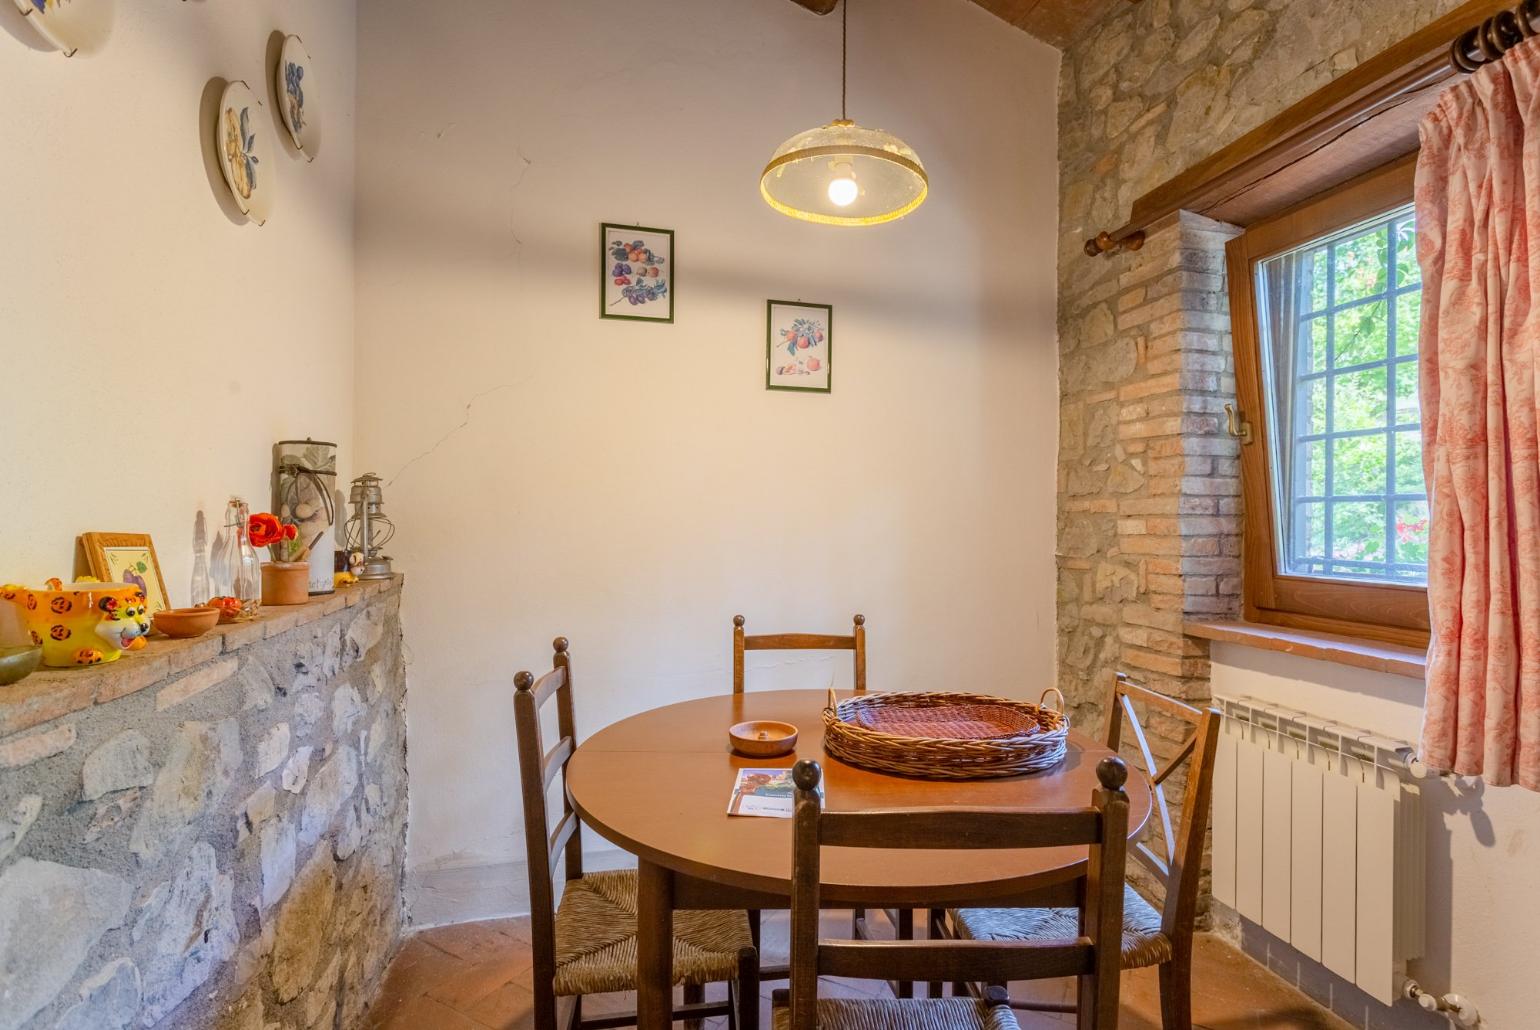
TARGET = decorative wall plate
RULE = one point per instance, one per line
(295, 81)
(245, 151)
(69, 25)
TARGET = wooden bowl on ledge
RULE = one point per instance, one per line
(763, 738)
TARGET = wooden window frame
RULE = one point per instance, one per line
(1395, 613)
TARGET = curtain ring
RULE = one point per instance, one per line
(1505, 27)
(1460, 52)
(1486, 38)
(1525, 15)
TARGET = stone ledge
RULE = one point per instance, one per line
(49, 694)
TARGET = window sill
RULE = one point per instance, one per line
(1327, 647)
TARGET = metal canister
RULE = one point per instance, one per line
(304, 494)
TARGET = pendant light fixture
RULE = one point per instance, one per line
(843, 173)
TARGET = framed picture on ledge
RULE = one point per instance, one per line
(799, 344)
(636, 273)
(126, 558)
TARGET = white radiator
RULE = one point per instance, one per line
(1318, 839)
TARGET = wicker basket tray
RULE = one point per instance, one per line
(946, 736)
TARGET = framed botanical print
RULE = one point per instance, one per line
(799, 344)
(636, 273)
(127, 558)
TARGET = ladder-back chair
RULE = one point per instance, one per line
(855, 643)
(587, 943)
(1087, 950)
(1150, 938)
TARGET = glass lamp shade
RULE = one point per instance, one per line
(889, 179)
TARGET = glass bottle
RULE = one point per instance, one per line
(237, 572)
(202, 587)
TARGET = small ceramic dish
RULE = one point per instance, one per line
(296, 96)
(245, 154)
(763, 738)
(186, 622)
(17, 663)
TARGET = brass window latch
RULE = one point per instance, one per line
(1236, 424)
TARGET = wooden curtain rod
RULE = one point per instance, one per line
(1494, 37)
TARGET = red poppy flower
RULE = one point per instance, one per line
(264, 529)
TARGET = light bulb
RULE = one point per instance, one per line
(843, 191)
(842, 188)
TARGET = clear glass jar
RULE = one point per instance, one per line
(237, 571)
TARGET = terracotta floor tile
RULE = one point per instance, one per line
(510, 1007)
(476, 976)
(420, 1013)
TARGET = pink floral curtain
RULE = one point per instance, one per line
(1478, 222)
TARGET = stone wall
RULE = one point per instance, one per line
(1149, 492)
(208, 833)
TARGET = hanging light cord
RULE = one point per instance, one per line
(844, 51)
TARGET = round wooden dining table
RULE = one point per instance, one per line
(657, 784)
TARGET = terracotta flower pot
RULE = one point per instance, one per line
(285, 582)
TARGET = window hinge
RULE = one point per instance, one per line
(1236, 424)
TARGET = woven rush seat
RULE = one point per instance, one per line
(904, 1014)
(596, 938)
(1143, 942)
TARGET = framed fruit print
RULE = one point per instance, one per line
(126, 558)
(799, 344)
(636, 273)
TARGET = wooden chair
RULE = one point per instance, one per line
(1150, 938)
(856, 643)
(1087, 950)
(587, 944)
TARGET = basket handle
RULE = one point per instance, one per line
(833, 704)
(1052, 690)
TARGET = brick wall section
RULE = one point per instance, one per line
(1149, 516)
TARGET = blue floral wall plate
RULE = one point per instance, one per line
(245, 151)
(71, 26)
(295, 84)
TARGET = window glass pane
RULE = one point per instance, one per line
(1358, 465)
(1407, 407)
(1314, 338)
(1314, 471)
(1359, 400)
(1412, 532)
(1362, 333)
(1338, 321)
(1315, 406)
(1407, 271)
(1408, 321)
(1358, 530)
(1361, 264)
(1316, 269)
(1409, 462)
(1312, 527)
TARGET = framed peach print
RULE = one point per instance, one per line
(127, 558)
(799, 346)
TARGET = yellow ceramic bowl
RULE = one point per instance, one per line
(82, 623)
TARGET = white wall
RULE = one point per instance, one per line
(632, 486)
(152, 348)
(1483, 911)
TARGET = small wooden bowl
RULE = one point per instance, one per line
(763, 738)
(186, 622)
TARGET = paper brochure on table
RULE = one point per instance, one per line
(767, 792)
